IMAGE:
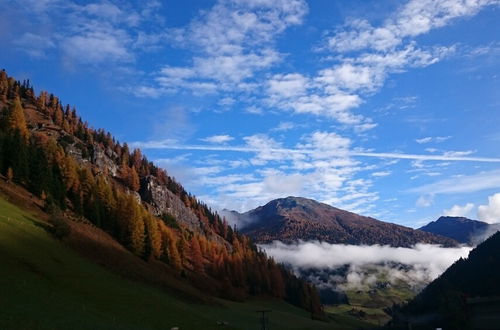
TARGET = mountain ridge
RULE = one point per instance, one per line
(296, 218)
(462, 229)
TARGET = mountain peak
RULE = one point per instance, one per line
(447, 218)
(461, 229)
(296, 218)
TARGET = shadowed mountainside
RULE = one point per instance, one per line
(461, 229)
(450, 300)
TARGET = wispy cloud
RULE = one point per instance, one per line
(415, 18)
(89, 34)
(381, 174)
(450, 156)
(218, 139)
(428, 139)
(462, 184)
(231, 42)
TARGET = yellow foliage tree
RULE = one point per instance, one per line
(16, 119)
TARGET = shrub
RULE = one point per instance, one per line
(60, 227)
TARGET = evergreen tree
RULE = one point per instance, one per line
(16, 119)
(39, 177)
(196, 256)
(16, 155)
(153, 238)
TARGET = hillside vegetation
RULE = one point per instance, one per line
(84, 174)
(294, 218)
(444, 302)
(46, 285)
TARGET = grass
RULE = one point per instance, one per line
(46, 285)
(372, 301)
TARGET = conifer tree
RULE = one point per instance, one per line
(16, 155)
(153, 238)
(174, 256)
(196, 256)
(16, 119)
(135, 227)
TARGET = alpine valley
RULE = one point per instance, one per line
(94, 235)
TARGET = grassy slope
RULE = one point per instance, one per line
(46, 285)
(373, 303)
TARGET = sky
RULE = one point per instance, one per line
(386, 108)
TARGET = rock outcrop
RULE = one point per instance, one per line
(162, 201)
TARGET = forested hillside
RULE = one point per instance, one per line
(84, 173)
(294, 218)
(445, 302)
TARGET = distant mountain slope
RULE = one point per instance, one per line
(447, 303)
(459, 228)
(293, 218)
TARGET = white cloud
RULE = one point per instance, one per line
(416, 17)
(333, 92)
(425, 200)
(490, 213)
(432, 260)
(381, 173)
(458, 153)
(353, 153)
(218, 139)
(383, 50)
(440, 139)
(34, 44)
(326, 145)
(288, 85)
(254, 110)
(231, 41)
(91, 34)
(284, 126)
(424, 140)
(462, 184)
(96, 47)
(459, 211)
(436, 139)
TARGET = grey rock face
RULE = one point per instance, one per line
(102, 158)
(163, 201)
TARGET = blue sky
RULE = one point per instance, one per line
(386, 108)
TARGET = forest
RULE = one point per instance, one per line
(38, 139)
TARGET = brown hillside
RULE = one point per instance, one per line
(294, 218)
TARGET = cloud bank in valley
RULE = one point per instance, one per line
(417, 265)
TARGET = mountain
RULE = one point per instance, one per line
(295, 218)
(466, 293)
(461, 229)
(74, 173)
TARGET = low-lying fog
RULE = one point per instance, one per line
(364, 265)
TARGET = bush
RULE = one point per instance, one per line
(60, 227)
(170, 220)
